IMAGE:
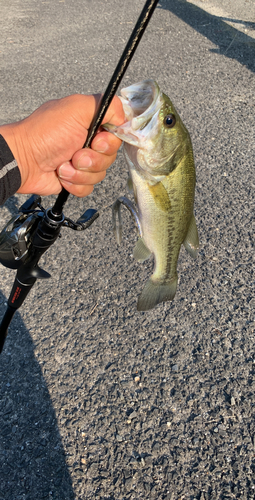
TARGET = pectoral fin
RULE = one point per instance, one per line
(141, 252)
(191, 242)
(160, 196)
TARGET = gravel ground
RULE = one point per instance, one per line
(99, 401)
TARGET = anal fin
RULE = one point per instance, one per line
(191, 242)
(141, 252)
(130, 185)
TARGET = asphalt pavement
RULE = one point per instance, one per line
(99, 401)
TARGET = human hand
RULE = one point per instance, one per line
(48, 146)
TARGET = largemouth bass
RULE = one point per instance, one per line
(158, 150)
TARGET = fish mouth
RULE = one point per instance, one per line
(141, 104)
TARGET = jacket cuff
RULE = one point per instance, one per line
(10, 178)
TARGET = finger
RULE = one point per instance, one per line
(106, 143)
(68, 173)
(115, 113)
(91, 161)
(86, 107)
(88, 158)
(79, 190)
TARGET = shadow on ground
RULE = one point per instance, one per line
(32, 459)
(231, 42)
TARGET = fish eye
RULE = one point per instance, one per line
(170, 121)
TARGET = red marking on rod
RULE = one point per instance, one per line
(16, 294)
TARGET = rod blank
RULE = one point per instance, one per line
(117, 76)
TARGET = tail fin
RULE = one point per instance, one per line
(154, 293)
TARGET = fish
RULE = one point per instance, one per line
(162, 177)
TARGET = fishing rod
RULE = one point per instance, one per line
(30, 233)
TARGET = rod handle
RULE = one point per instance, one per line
(4, 325)
(17, 296)
(19, 292)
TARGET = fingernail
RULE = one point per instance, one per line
(66, 171)
(84, 161)
(101, 146)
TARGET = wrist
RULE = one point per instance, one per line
(14, 136)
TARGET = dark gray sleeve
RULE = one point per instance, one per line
(10, 179)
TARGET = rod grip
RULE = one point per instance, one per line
(19, 292)
(17, 296)
(4, 325)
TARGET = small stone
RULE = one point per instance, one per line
(175, 368)
(126, 473)
(222, 427)
(232, 401)
(129, 421)
(128, 482)
(148, 460)
(216, 430)
(174, 442)
(132, 415)
(93, 470)
(137, 379)
(146, 487)
(168, 424)
(83, 460)
(156, 446)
